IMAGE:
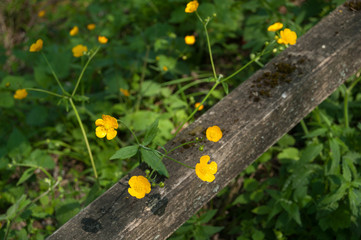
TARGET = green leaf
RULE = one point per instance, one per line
(153, 159)
(26, 175)
(354, 201)
(311, 152)
(261, 210)
(292, 210)
(151, 133)
(257, 235)
(286, 140)
(6, 100)
(316, 133)
(125, 152)
(207, 216)
(346, 172)
(335, 157)
(225, 87)
(335, 196)
(66, 210)
(150, 88)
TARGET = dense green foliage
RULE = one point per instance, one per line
(305, 187)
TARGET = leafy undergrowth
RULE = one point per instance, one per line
(306, 186)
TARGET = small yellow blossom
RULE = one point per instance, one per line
(102, 39)
(190, 40)
(79, 50)
(125, 92)
(41, 13)
(91, 26)
(287, 37)
(139, 186)
(200, 108)
(206, 171)
(214, 134)
(37, 46)
(7, 84)
(157, 58)
(20, 94)
(192, 6)
(275, 27)
(165, 68)
(74, 31)
(106, 127)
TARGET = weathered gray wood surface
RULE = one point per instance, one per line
(323, 58)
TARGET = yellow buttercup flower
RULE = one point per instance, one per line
(139, 186)
(287, 37)
(206, 171)
(91, 26)
(200, 108)
(214, 134)
(20, 94)
(74, 31)
(41, 13)
(275, 27)
(79, 50)
(102, 39)
(165, 68)
(106, 127)
(190, 40)
(192, 6)
(37, 46)
(125, 92)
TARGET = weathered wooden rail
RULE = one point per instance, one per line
(253, 117)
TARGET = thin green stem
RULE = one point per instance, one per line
(34, 166)
(83, 70)
(53, 72)
(195, 110)
(45, 91)
(304, 127)
(185, 87)
(185, 165)
(182, 80)
(348, 92)
(181, 146)
(139, 97)
(85, 137)
(136, 139)
(209, 44)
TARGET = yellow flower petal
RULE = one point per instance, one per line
(214, 134)
(74, 31)
(99, 122)
(100, 132)
(206, 171)
(111, 133)
(275, 27)
(287, 37)
(41, 13)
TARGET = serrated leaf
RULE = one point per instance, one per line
(125, 152)
(293, 211)
(335, 196)
(151, 133)
(153, 159)
(346, 172)
(311, 152)
(25, 176)
(316, 133)
(352, 198)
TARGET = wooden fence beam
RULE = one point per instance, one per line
(252, 117)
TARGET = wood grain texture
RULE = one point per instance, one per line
(323, 59)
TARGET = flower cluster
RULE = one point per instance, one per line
(74, 31)
(287, 36)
